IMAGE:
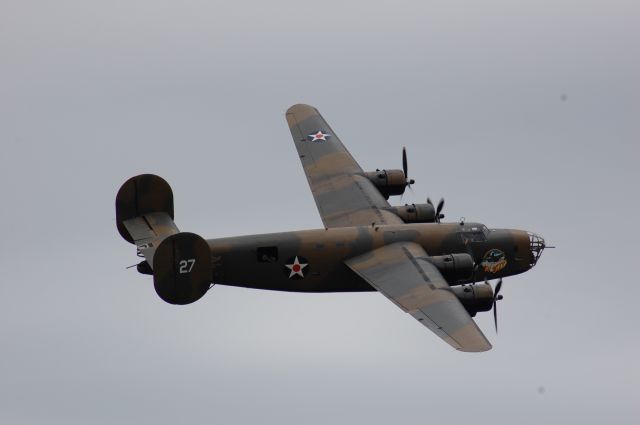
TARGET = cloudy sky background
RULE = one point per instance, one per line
(521, 114)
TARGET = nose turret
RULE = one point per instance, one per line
(536, 246)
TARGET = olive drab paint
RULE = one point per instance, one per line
(428, 268)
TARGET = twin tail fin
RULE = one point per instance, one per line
(179, 261)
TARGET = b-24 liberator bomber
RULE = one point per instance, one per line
(437, 272)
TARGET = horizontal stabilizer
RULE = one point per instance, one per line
(180, 262)
(149, 231)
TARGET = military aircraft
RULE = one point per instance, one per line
(428, 268)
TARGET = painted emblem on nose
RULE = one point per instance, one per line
(296, 266)
(493, 261)
(320, 136)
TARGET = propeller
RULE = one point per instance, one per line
(496, 298)
(405, 167)
(438, 209)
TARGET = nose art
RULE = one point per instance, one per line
(536, 246)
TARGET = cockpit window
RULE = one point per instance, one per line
(475, 234)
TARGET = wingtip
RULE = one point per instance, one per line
(470, 339)
(476, 349)
(475, 345)
(301, 107)
(300, 112)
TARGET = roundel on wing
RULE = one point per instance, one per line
(319, 136)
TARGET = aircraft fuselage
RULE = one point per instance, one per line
(313, 260)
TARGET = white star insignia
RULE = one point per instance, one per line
(319, 136)
(296, 268)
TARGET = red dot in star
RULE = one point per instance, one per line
(296, 268)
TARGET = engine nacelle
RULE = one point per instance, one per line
(475, 298)
(416, 213)
(454, 267)
(388, 182)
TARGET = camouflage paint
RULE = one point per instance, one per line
(236, 260)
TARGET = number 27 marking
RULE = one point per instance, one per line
(187, 265)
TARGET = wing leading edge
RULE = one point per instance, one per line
(343, 195)
(402, 273)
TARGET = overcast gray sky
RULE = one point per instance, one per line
(522, 114)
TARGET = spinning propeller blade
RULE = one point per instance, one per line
(439, 208)
(404, 161)
(496, 298)
(405, 167)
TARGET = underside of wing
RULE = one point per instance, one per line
(343, 195)
(402, 273)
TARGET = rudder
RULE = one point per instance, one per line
(182, 268)
(141, 195)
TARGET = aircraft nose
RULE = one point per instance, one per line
(536, 246)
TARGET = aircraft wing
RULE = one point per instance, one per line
(343, 195)
(402, 273)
